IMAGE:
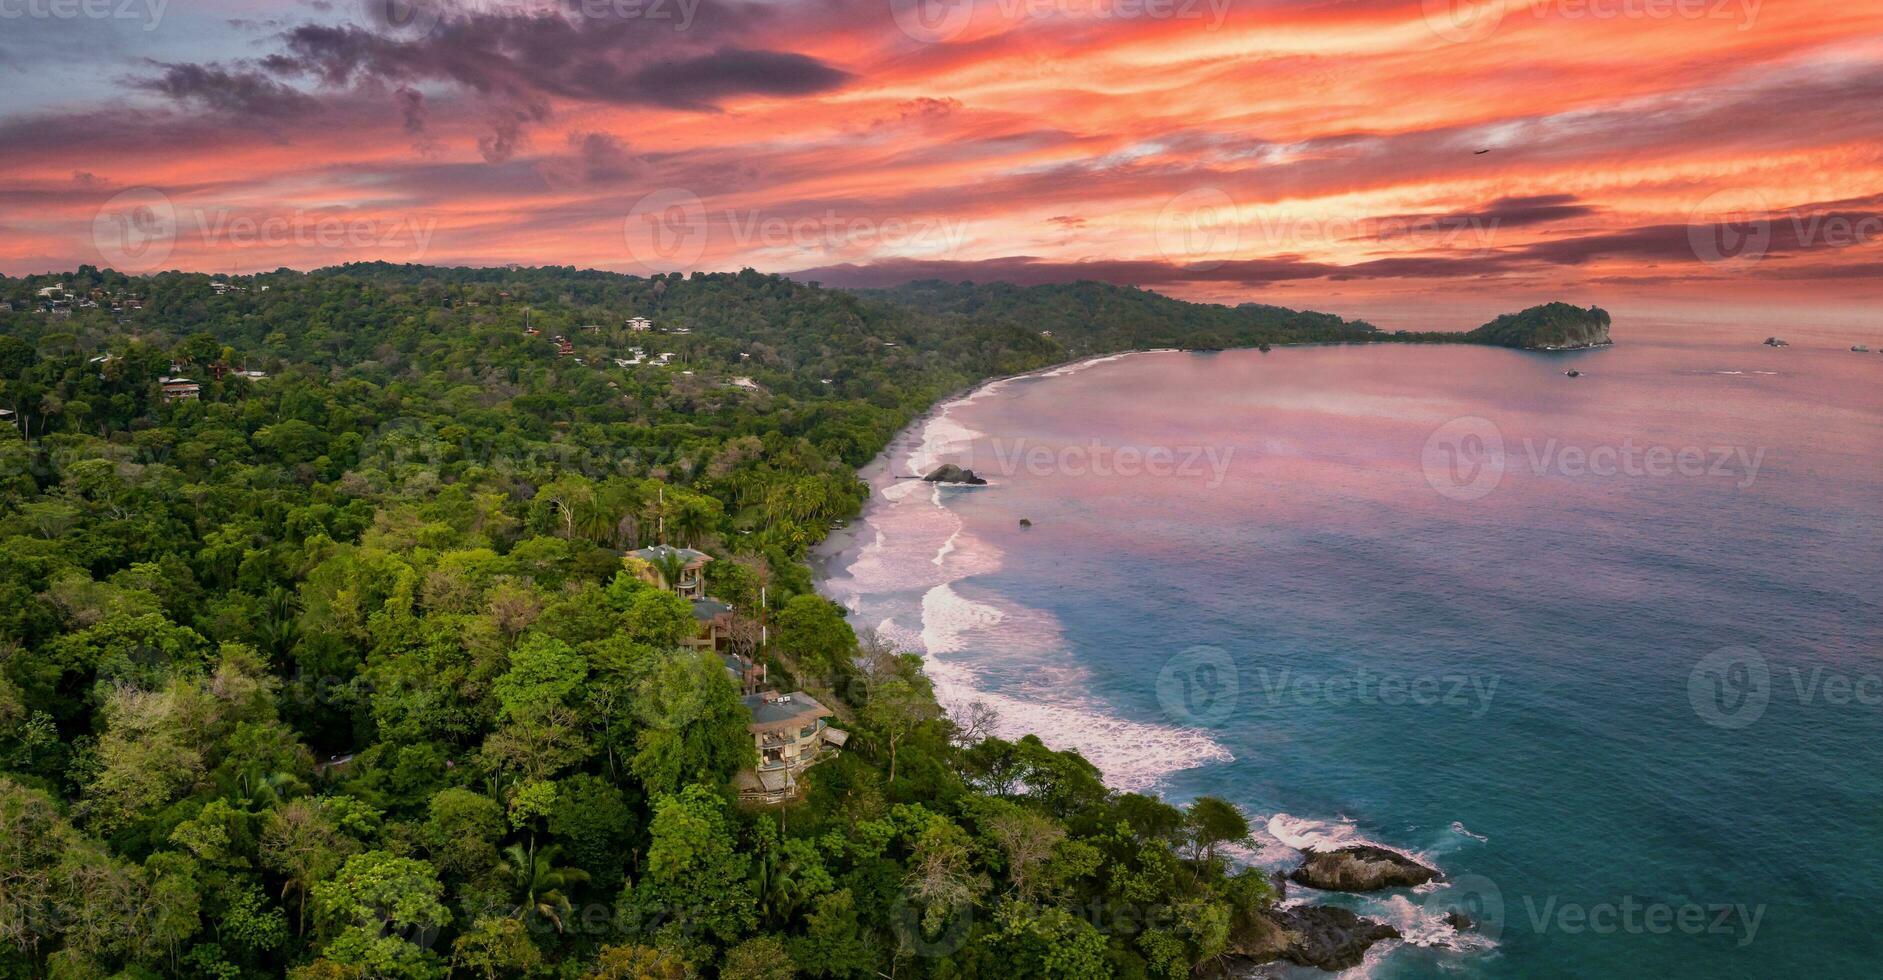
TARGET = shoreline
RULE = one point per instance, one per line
(833, 554)
(1279, 841)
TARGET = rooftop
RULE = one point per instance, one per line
(657, 552)
(771, 710)
(709, 609)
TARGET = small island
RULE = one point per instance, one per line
(1552, 326)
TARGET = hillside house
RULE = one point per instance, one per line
(640, 324)
(791, 735)
(180, 389)
(692, 578)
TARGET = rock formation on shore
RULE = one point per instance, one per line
(950, 473)
(1320, 936)
(1360, 868)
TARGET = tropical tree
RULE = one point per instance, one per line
(539, 883)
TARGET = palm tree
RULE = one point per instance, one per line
(279, 629)
(540, 883)
(690, 524)
(671, 565)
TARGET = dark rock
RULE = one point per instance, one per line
(1775, 342)
(1307, 935)
(1458, 920)
(1025, 523)
(1360, 868)
(950, 473)
(1573, 373)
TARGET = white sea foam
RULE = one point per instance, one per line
(942, 436)
(1132, 755)
(946, 616)
(1459, 828)
(1077, 366)
(1425, 925)
(1305, 834)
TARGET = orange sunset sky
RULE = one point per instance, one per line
(1419, 162)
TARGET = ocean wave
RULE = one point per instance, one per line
(1308, 834)
(1133, 756)
(946, 616)
(1425, 925)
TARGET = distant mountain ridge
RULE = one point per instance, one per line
(1091, 315)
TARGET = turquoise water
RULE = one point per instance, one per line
(1620, 680)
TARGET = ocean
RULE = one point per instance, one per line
(1604, 649)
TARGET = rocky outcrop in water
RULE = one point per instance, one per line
(1360, 868)
(1307, 935)
(950, 473)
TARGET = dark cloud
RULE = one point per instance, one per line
(529, 59)
(1505, 212)
(240, 92)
